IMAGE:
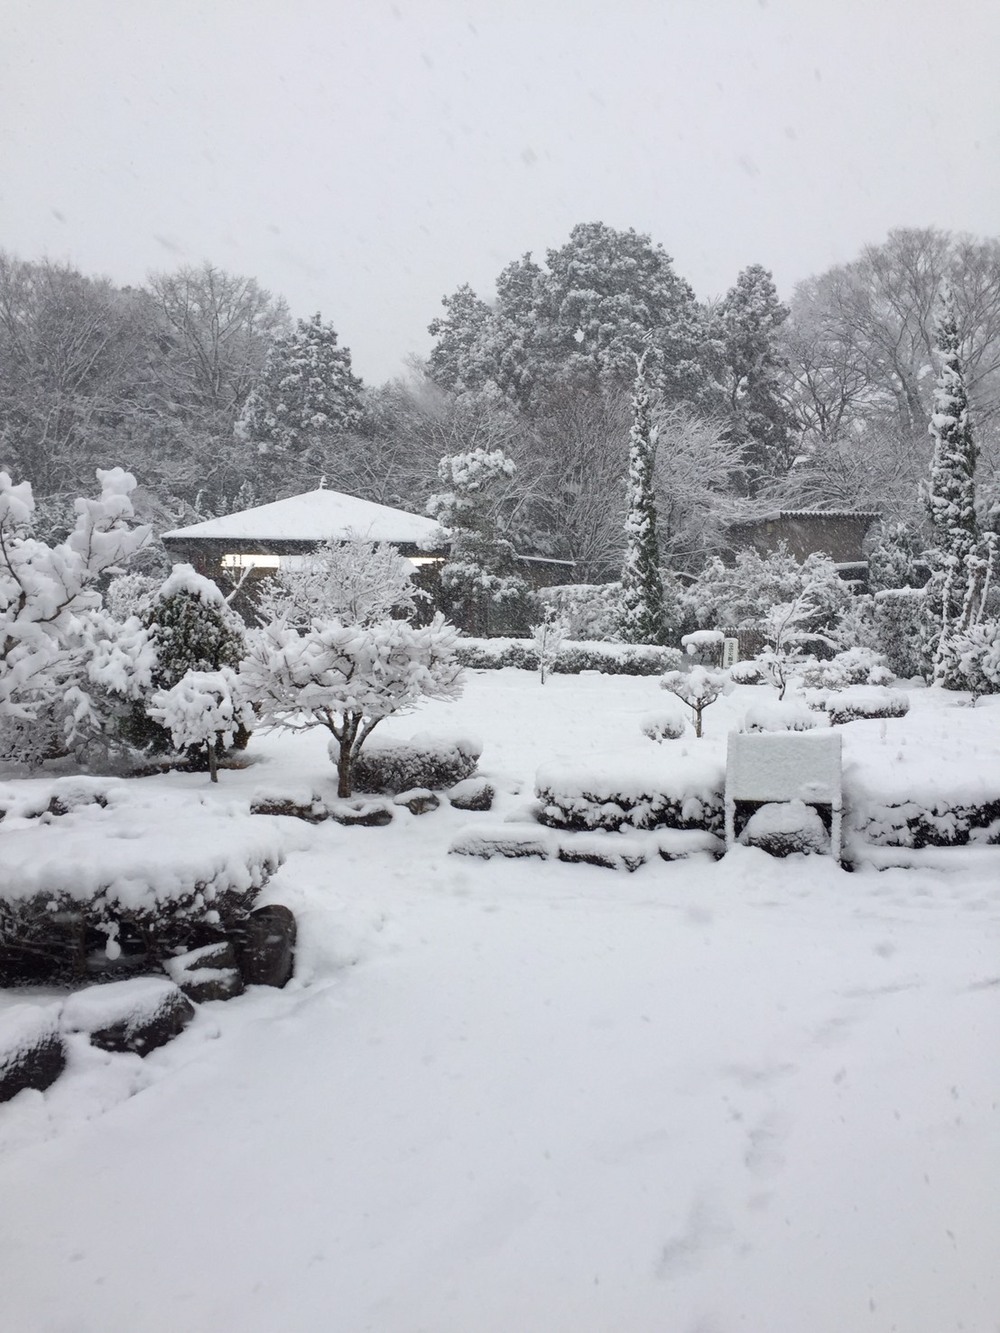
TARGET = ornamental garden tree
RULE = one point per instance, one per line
(354, 581)
(348, 678)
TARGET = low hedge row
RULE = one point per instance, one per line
(612, 659)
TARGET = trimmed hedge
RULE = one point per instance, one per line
(391, 766)
(689, 794)
(612, 659)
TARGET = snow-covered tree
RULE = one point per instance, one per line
(892, 561)
(640, 618)
(950, 496)
(355, 582)
(970, 659)
(480, 577)
(744, 593)
(306, 393)
(348, 678)
(204, 710)
(575, 326)
(58, 651)
(698, 688)
(549, 635)
(753, 373)
(191, 628)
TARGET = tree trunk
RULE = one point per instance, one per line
(213, 763)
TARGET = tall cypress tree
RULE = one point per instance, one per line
(950, 494)
(640, 612)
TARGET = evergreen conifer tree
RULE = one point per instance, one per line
(950, 498)
(640, 615)
(306, 393)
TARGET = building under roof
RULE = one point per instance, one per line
(299, 524)
(838, 533)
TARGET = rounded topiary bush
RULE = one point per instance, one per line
(783, 828)
(663, 726)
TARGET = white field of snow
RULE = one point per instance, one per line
(750, 1096)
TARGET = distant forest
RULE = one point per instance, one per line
(201, 384)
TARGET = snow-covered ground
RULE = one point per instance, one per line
(516, 1095)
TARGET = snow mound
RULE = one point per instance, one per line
(786, 827)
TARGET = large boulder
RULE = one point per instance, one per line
(267, 947)
(208, 973)
(136, 1015)
(31, 1048)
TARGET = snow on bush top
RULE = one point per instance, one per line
(697, 774)
(185, 578)
(137, 860)
(702, 638)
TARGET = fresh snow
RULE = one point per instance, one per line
(518, 1094)
(317, 516)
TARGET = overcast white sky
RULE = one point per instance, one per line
(364, 158)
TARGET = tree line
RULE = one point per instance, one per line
(201, 384)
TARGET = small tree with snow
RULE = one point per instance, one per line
(549, 635)
(480, 576)
(698, 688)
(191, 628)
(204, 710)
(640, 613)
(348, 678)
(354, 581)
(59, 654)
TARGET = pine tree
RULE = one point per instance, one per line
(950, 498)
(305, 393)
(640, 617)
(747, 323)
(480, 581)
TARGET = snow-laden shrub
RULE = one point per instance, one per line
(783, 828)
(205, 710)
(866, 701)
(354, 581)
(615, 793)
(663, 726)
(780, 715)
(745, 592)
(591, 609)
(747, 673)
(390, 766)
(190, 629)
(855, 666)
(613, 659)
(66, 666)
(705, 645)
(698, 688)
(155, 887)
(970, 660)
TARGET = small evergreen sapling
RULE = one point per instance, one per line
(549, 636)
